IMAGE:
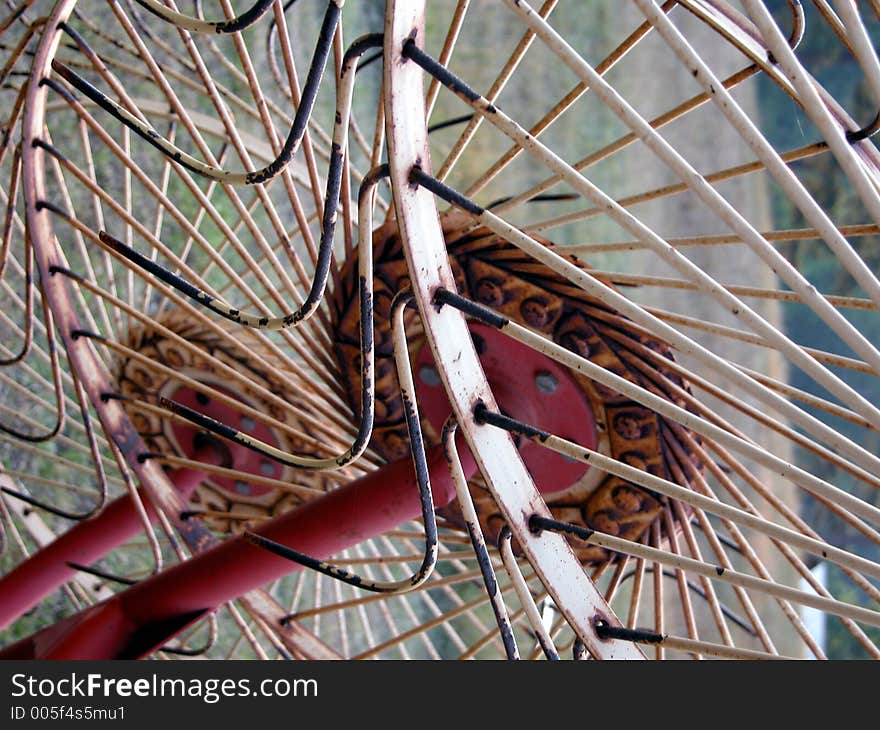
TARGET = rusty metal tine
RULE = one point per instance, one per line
(478, 541)
(365, 427)
(57, 511)
(865, 132)
(450, 122)
(28, 297)
(291, 90)
(56, 382)
(12, 194)
(198, 25)
(96, 459)
(271, 33)
(328, 227)
(4, 540)
(545, 641)
(102, 574)
(213, 634)
(253, 177)
(417, 450)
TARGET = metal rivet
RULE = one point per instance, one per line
(267, 468)
(546, 382)
(429, 375)
(242, 487)
(248, 423)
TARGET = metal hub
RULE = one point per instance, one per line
(190, 368)
(527, 385)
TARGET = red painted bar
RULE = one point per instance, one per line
(84, 543)
(90, 540)
(140, 619)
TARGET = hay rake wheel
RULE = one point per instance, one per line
(628, 470)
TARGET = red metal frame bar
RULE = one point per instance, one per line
(142, 618)
(87, 541)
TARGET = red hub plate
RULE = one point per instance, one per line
(243, 459)
(529, 387)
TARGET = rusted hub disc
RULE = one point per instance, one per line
(528, 385)
(165, 370)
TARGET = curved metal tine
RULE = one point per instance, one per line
(12, 195)
(345, 91)
(797, 33)
(472, 523)
(102, 574)
(366, 196)
(417, 450)
(4, 540)
(767, 61)
(198, 25)
(57, 384)
(865, 132)
(213, 634)
(862, 49)
(545, 641)
(543, 198)
(94, 449)
(450, 122)
(271, 34)
(253, 177)
(5, 244)
(8, 530)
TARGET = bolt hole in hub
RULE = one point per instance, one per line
(243, 460)
(530, 388)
